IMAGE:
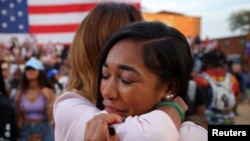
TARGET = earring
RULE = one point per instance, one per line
(169, 97)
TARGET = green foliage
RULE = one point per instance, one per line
(240, 20)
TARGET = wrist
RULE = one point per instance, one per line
(181, 102)
(174, 105)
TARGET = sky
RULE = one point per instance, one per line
(213, 13)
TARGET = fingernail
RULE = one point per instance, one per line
(123, 120)
(111, 131)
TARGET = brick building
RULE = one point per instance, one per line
(188, 25)
(191, 26)
(234, 46)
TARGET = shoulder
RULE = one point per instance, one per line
(72, 97)
(233, 79)
(201, 81)
(70, 109)
(193, 132)
(47, 90)
(48, 93)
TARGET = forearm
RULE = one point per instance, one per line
(71, 112)
(155, 125)
(173, 114)
(174, 109)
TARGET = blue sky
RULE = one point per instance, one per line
(213, 13)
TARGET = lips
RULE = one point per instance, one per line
(112, 110)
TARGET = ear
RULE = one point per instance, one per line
(172, 86)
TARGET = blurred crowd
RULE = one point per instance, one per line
(53, 56)
(14, 54)
(233, 65)
(33, 75)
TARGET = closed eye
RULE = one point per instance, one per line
(127, 82)
(105, 76)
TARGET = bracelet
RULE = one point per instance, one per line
(174, 105)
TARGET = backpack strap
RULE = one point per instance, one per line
(191, 90)
(212, 83)
(210, 80)
(226, 80)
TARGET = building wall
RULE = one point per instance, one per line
(235, 46)
(188, 25)
(232, 45)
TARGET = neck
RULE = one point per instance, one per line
(34, 84)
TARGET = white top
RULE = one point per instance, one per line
(72, 111)
(190, 131)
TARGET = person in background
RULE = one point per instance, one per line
(235, 68)
(6, 76)
(92, 34)
(8, 126)
(196, 96)
(221, 54)
(213, 66)
(34, 98)
(244, 83)
(14, 83)
(58, 79)
(15, 79)
(133, 88)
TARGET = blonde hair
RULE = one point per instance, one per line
(92, 34)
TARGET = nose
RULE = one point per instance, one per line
(109, 89)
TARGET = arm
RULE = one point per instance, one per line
(199, 102)
(144, 127)
(151, 126)
(173, 113)
(160, 124)
(50, 97)
(72, 111)
(20, 115)
(191, 131)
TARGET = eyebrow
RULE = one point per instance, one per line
(124, 67)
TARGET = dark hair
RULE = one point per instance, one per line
(43, 81)
(2, 84)
(166, 53)
(212, 58)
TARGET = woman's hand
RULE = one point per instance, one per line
(173, 113)
(181, 102)
(99, 128)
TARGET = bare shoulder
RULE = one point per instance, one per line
(48, 93)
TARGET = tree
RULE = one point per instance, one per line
(240, 20)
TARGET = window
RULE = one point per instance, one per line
(241, 42)
(227, 43)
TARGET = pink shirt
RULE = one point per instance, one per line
(72, 111)
(190, 131)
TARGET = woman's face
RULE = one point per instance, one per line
(127, 86)
(31, 74)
